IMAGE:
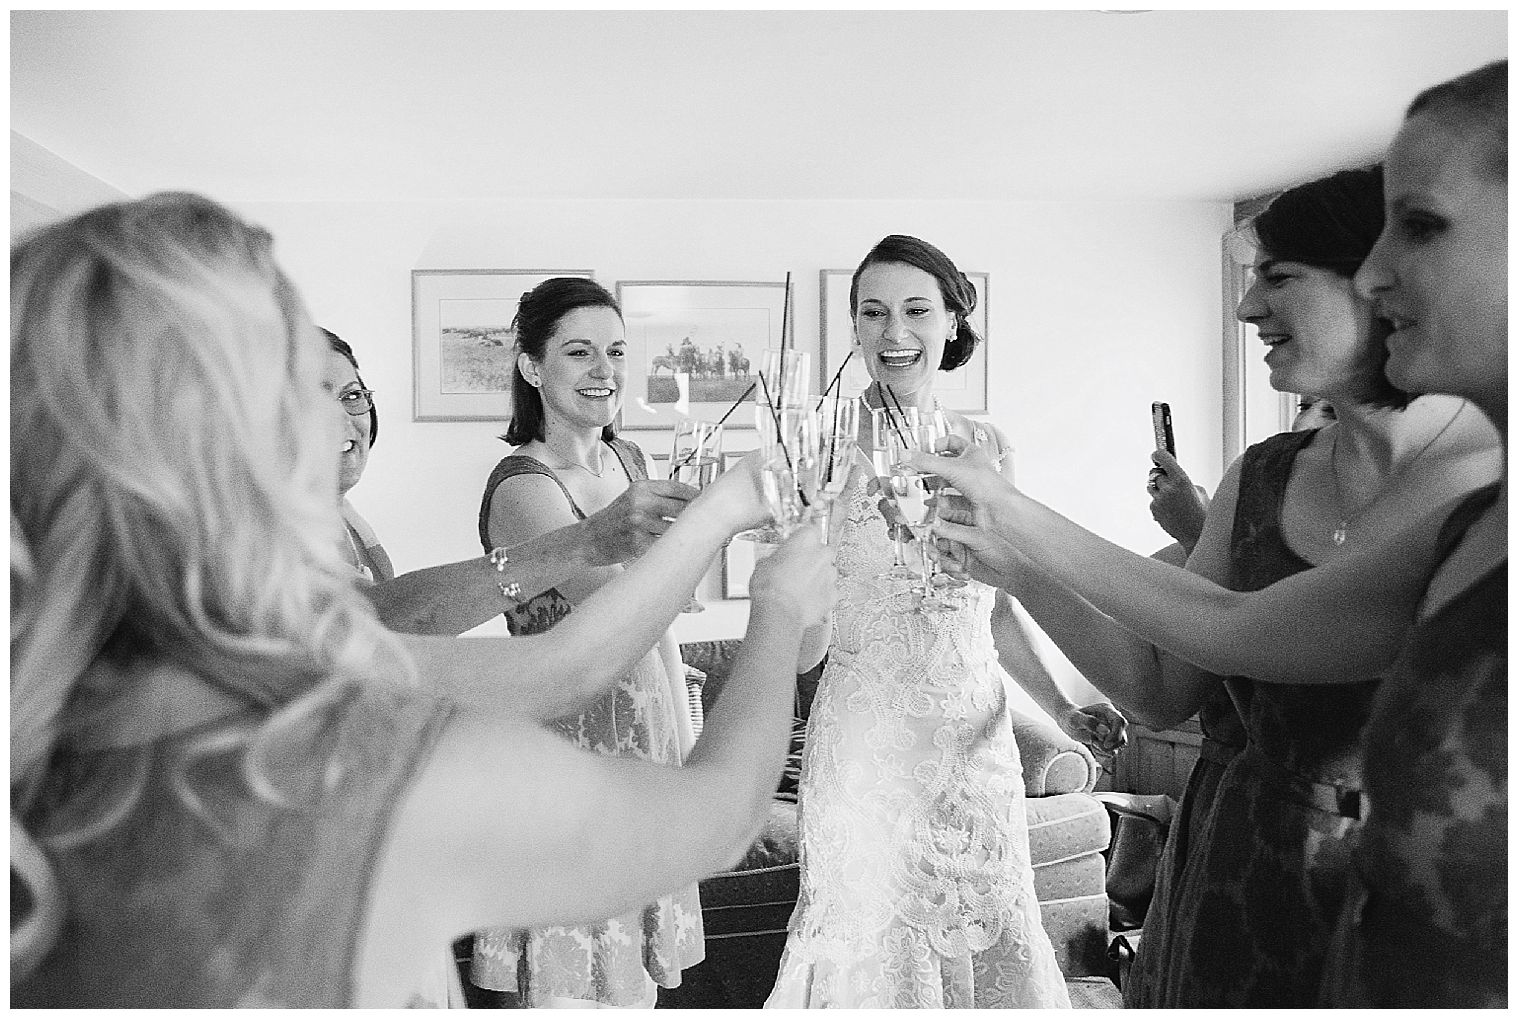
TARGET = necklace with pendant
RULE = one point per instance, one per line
(1341, 532)
(566, 463)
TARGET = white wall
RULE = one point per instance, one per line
(1095, 310)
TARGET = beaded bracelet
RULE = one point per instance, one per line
(509, 588)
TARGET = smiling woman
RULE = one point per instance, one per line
(568, 386)
(916, 880)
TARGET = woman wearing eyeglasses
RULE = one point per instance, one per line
(362, 548)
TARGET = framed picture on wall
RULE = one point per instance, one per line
(463, 348)
(963, 390)
(695, 348)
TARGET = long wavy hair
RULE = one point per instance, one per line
(171, 500)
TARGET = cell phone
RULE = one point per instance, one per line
(1164, 437)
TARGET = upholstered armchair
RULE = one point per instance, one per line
(745, 910)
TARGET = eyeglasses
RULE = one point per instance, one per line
(356, 401)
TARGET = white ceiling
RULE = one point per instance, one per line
(366, 105)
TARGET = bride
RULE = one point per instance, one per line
(916, 883)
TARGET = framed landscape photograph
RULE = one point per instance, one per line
(694, 348)
(963, 390)
(463, 346)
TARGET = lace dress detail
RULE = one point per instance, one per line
(916, 881)
(610, 962)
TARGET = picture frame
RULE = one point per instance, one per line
(965, 389)
(714, 333)
(463, 349)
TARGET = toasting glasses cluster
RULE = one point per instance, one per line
(806, 442)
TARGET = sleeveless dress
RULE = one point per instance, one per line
(243, 902)
(916, 882)
(1267, 874)
(612, 961)
(1426, 921)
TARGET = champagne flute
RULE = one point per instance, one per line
(783, 497)
(891, 430)
(778, 429)
(931, 429)
(786, 374)
(838, 430)
(696, 460)
(914, 498)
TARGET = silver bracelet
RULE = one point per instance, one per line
(509, 588)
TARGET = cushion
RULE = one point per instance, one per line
(1052, 762)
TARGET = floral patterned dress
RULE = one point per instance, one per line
(613, 961)
(916, 881)
(1425, 925)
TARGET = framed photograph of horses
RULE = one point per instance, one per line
(695, 348)
(963, 390)
(463, 348)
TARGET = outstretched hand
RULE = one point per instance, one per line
(634, 520)
(1100, 726)
(735, 498)
(971, 541)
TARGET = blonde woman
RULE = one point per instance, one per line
(244, 790)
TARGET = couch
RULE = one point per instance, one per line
(745, 910)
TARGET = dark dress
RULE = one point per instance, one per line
(1265, 874)
(1426, 921)
(1222, 739)
(209, 895)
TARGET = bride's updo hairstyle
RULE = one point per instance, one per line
(173, 521)
(537, 319)
(958, 293)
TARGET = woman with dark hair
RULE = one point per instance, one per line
(449, 599)
(568, 462)
(916, 880)
(1271, 804)
(1419, 610)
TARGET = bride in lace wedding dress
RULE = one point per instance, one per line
(916, 883)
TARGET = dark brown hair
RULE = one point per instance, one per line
(958, 293)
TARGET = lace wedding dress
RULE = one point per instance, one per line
(916, 884)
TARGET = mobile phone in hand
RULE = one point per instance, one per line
(1164, 437)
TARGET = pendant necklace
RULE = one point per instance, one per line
(1341, 532)
(566, 463)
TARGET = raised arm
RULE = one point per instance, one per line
(446, 600)
(1145, 682)
(553, 674)
(1338, 623)
(509, 825)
